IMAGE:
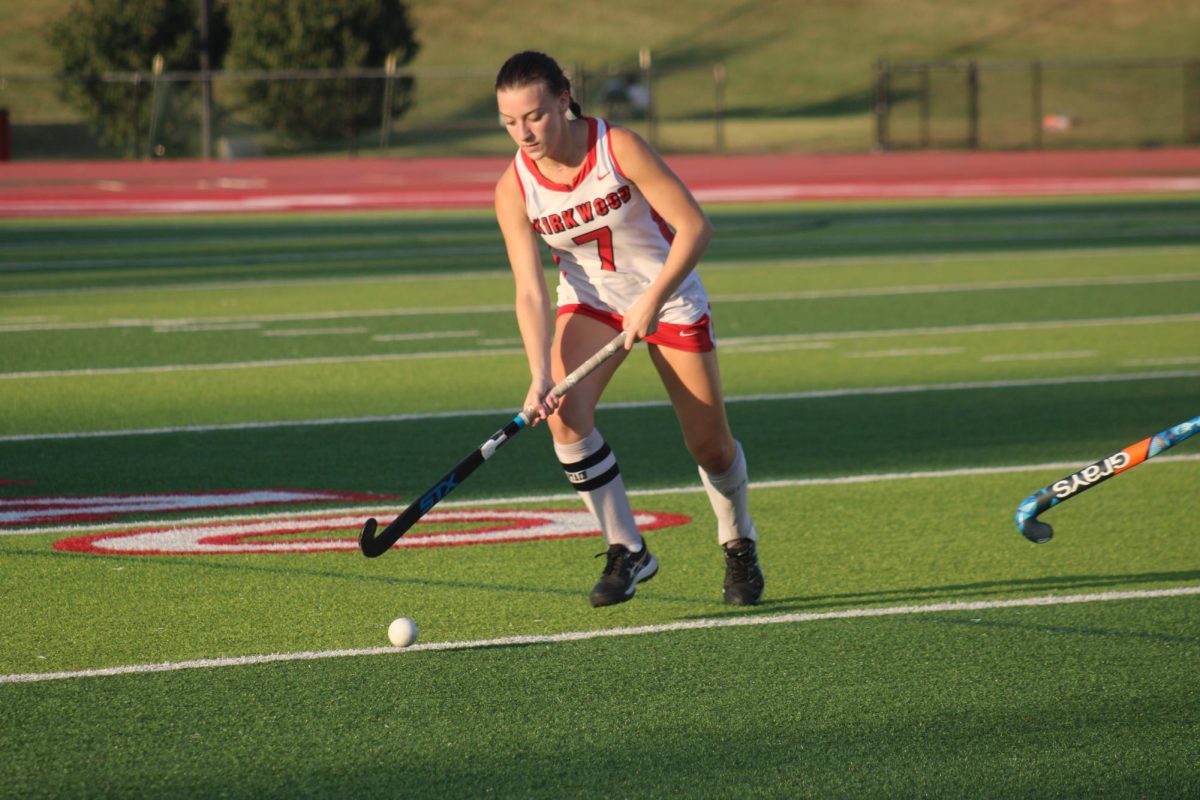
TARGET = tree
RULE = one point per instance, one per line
(321, 34)
(96, 37)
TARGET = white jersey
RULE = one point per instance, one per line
(608, 242)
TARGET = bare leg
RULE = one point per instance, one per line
(587, 459)
(693, 382)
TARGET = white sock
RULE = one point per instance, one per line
(592, 469)
(729, 494)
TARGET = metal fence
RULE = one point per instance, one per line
(174, 114)
(679, 108)
(1038, 104)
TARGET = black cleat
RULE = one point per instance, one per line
(743, 577)
(622, 573)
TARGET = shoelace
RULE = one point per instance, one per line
(617, 557)
(741, 564)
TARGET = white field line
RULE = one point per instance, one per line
(817, 394)
(907, 352)
(1061, 355)
(374, 280)
(1162, 362)
(207, 328)
(339, 257)
(264, 364)
(366, 313)
(433, 335)
(712, 266)
(612, 633)
(947, 288)
(822, 294)
(783, 342)
(290, 332)
(372, 509)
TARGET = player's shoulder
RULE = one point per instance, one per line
(628, 147)
(509, 185)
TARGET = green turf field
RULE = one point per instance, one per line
(900, 375)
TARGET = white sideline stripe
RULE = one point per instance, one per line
(433, 335)
(1161, 362)
(907, 352)
(267, 363)
(1063, 354)
(610, 633)
(817, 394)
(757, 297)
(167, 323)
(785, 342)
(568, 496)
(314, 332)
(940, 288)
(205, 328)
(712, 266)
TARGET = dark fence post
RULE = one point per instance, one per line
(719, 107)
(5, 136)
(1191, 101)
(646, 64)
(1035, 73)
(926, 105)
(882, 79)
(973, 105)
(205, 82)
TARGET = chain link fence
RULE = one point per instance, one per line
(679, 108)
(1037, 104)
(172, 114)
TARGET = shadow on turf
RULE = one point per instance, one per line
(1031, 627)
(195, 563)
(770, 605)
(972, 591)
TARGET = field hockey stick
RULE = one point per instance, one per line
(373, 545)
(1127, 458)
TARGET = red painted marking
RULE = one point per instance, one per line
(329, 532)
(18, 511)
(39, 189)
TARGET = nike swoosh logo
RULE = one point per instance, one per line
(602, 175)
(689, 333)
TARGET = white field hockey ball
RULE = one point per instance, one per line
(402, 632)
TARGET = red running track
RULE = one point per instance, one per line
(49, 189)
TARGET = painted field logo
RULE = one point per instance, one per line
(98, 508)
(325, 532)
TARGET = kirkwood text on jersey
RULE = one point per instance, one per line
(565, 219)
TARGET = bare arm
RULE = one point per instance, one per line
(668, 196)
(532, 296)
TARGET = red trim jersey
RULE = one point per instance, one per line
(607, 241)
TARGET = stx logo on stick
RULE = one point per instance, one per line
(438, 492)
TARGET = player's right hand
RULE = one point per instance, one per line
(539, 403)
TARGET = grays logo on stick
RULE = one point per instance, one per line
(1125, 459)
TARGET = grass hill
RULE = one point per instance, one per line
(799, 73)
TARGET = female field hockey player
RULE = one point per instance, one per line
(626, 235)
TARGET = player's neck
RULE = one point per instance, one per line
(572, 150)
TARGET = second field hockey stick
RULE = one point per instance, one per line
(373, 545)
(1040, 532)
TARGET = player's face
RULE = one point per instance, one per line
(533, 117)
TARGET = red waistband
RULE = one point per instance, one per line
(695, 337)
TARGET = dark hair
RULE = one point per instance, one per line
(531, 66)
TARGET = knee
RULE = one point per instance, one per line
(571, 421)
(714, 454)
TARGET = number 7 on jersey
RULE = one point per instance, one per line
(604, 243)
